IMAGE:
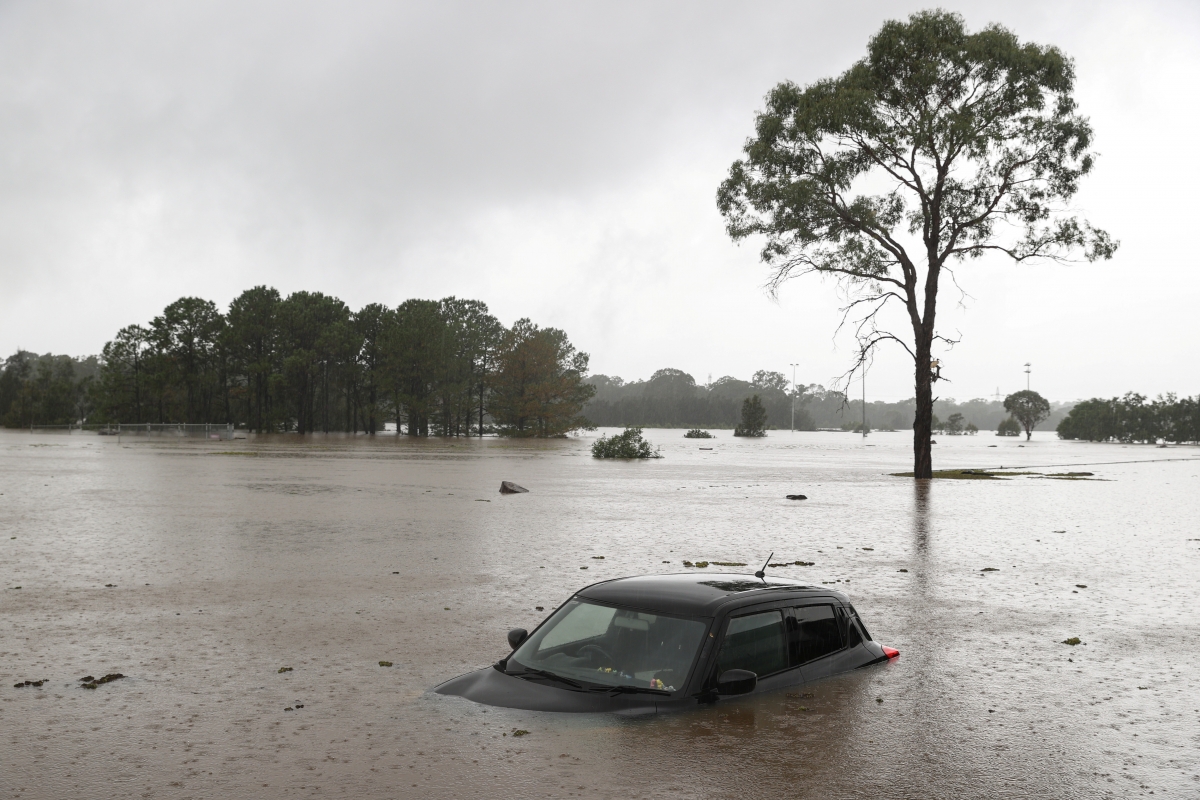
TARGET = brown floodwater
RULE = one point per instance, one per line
(230, 560)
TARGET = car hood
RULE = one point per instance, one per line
(494, 688)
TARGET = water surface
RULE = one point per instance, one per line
(230, 560)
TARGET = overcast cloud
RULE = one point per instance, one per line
(557, 161)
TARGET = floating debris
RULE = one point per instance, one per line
(284, 669)
(299, 705)
(599, 557)
(868, 548)
(904, 570)
(520, 732)
(508, 487)
(727, 563)
(990, 569)
(385, 663)
(583, 567)
(109, 678)
(35, 684)
(1081, 586)
(1074, 640)
(289, 708)
(878, 699)
(110, 586)
(797, 497)
(538, 608)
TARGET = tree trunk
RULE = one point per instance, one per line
(923, 423)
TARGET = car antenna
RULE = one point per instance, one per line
(762, 573)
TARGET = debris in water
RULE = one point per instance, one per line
(878, 699)
(583, 567)
(109, 678)
(868, 548)
(520, 732)
(110, 586)
(508, 487)
(1074, 640)
(990, 569)
(805, 563)
(904, 570)
(284, 669)
(599, 557)
(729, 563)
(797, 497)
(1081, 586)
(35, 684)
(289, 708)
(385, 663)
(538, 608)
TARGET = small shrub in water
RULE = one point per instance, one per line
(696, 433)
(629, 444)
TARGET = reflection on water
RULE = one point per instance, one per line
(231, 561)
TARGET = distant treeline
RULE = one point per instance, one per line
(1132, 419)
(308, 363)
(672, 399)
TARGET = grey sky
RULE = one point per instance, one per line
(557, 161)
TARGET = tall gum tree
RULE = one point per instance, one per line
(939, 147)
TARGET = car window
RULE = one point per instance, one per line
(814, 633)
(755, 642)
(584, 621)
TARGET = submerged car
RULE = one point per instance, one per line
(658, 643)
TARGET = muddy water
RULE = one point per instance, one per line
(230, 560)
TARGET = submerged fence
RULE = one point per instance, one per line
(189, 430)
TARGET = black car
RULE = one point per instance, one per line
(657, 643)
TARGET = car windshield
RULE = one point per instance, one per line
(587, 643)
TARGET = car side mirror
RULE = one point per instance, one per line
(736, 681)
(516, 636)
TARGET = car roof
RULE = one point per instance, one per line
(695, 593)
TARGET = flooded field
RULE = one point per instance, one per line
(200, 570)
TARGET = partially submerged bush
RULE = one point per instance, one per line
(629, 444)
(696, 433)
(754, 418)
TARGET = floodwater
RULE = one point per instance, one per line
(230, 560)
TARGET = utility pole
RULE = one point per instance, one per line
(793, 366)
(1027, 370)
(864, 422)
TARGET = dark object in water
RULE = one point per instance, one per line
(35, 684)
(109, 678)
(990, 569)
(797, 497)
(382, 664)
(508, 487)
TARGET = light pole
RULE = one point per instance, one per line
(1027, 370)
(793, 366)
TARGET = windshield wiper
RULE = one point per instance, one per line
(631, 690)
(544, 673)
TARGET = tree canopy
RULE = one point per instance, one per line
(939, 146)
(1028, 408)
(754, 418)
(308, 363)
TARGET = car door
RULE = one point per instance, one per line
(756, 639)
(855, 654)
(814, 638)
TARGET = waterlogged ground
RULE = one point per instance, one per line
(231, 560)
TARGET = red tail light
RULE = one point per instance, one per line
(890, 652)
